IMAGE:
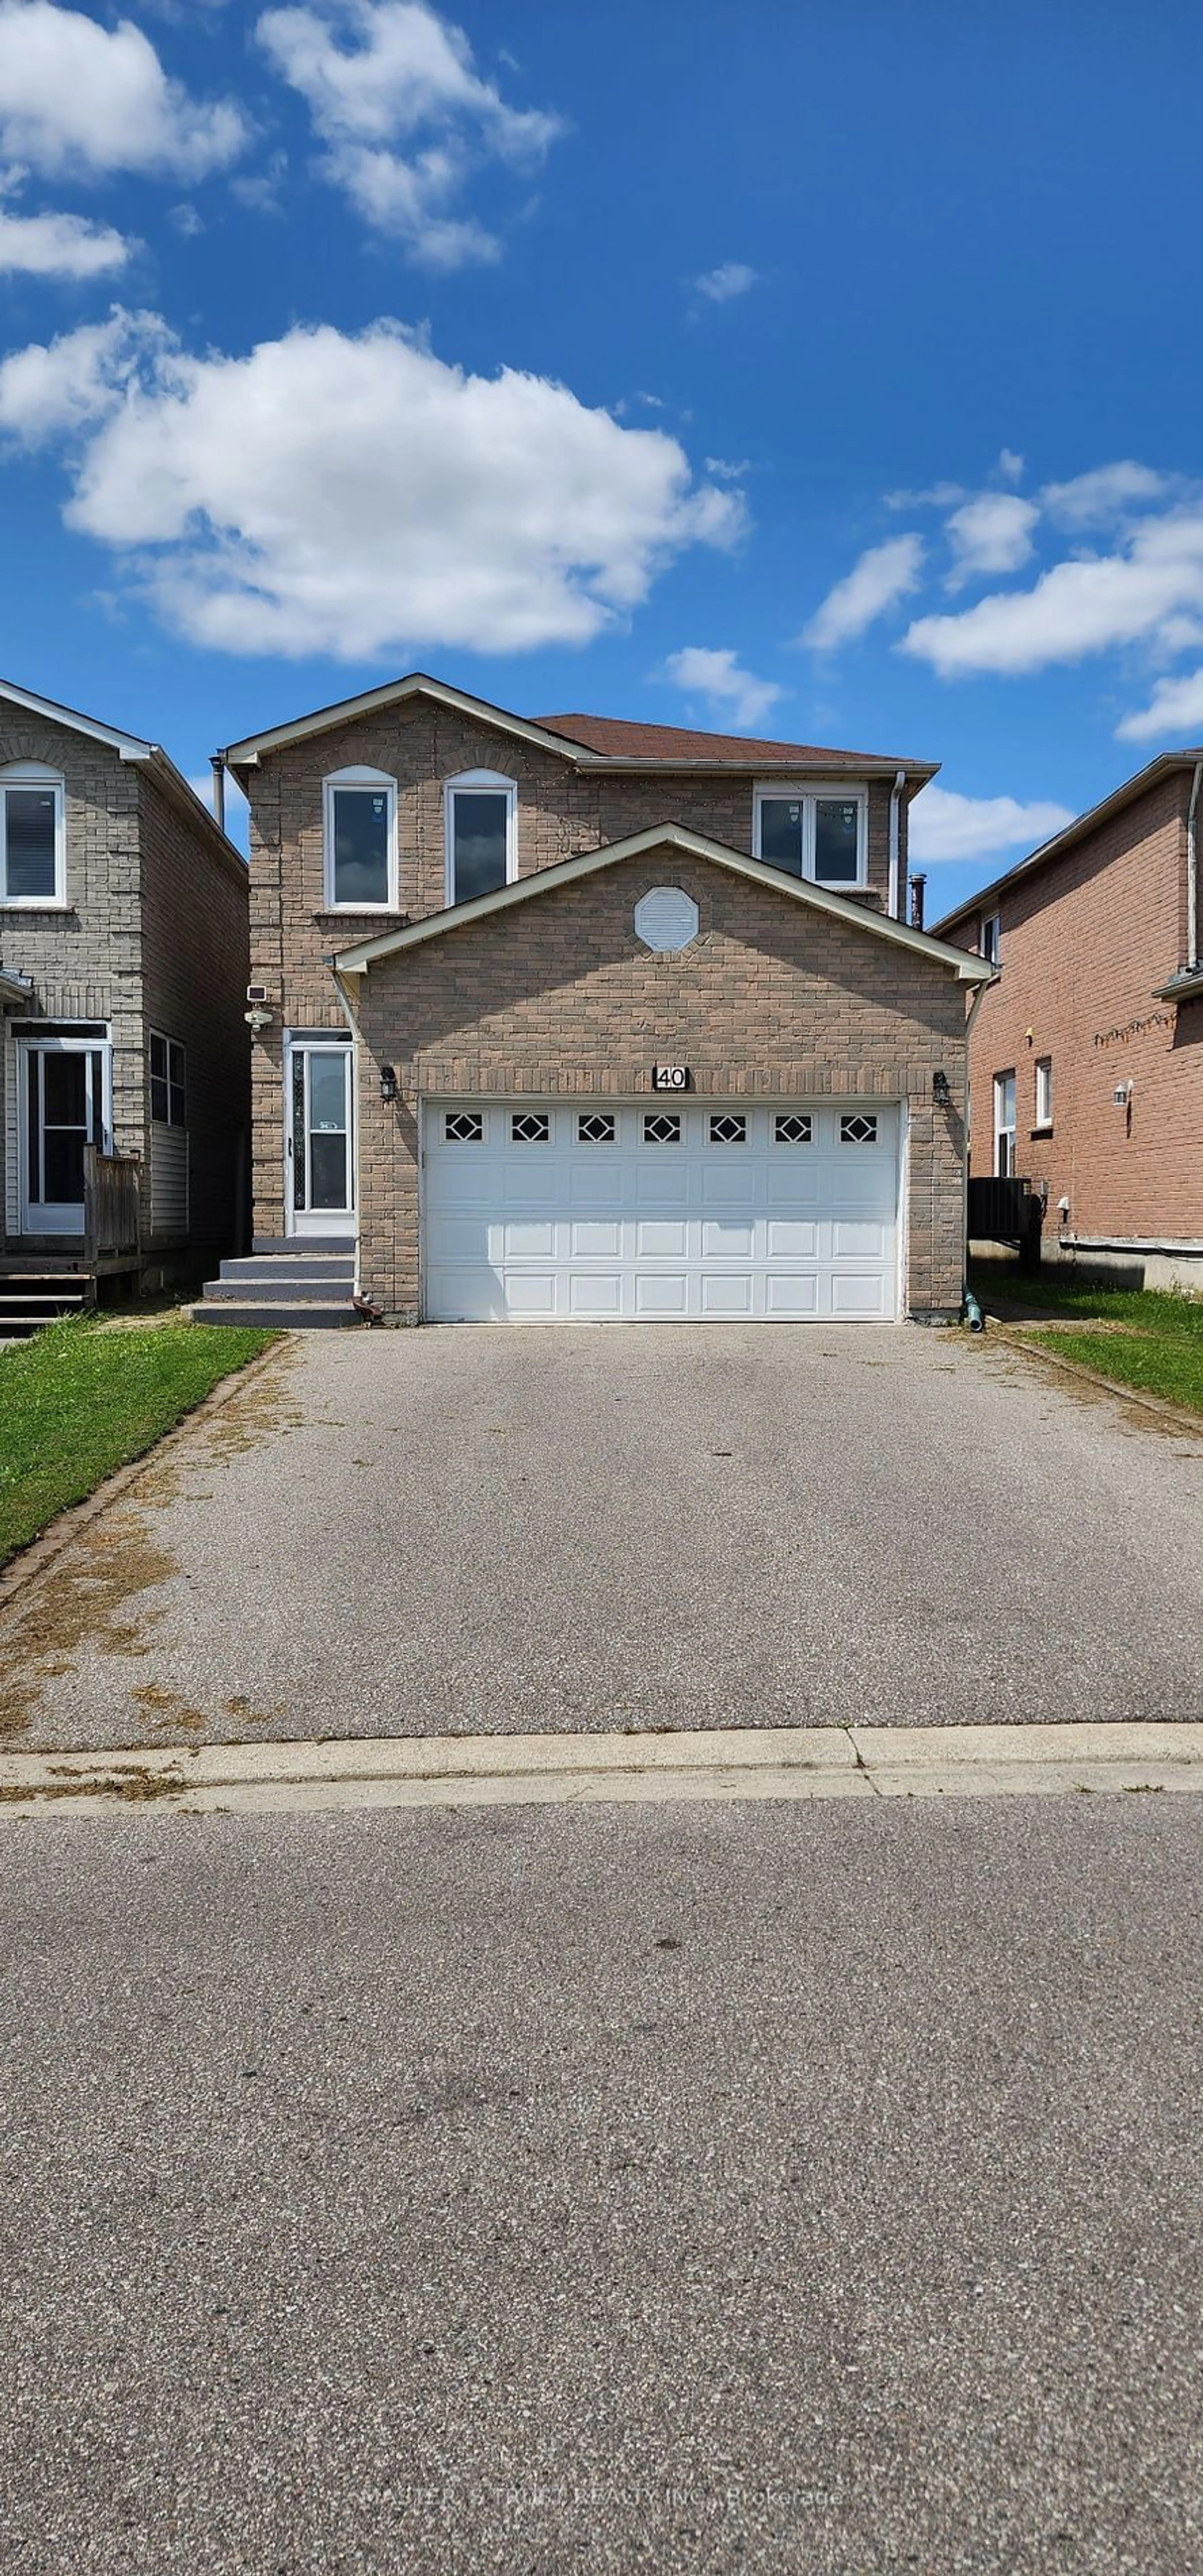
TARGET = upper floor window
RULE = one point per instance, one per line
(989, 940)
(168, 1081)
(809, 832)
(482, 834)
(361, 841)
(1044, 1091)
(32, 836)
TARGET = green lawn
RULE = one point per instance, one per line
(78, 1401)
(1161, 1351)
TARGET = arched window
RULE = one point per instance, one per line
(482, 833)
(360, 810)
(32, 835)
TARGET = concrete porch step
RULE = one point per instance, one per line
(280, 1314)
(286, 1266)
(283, 1286)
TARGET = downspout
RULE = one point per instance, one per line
(971, 1312)
(217, 763)
(353, 1025)
(894, 905)
(1192, 873)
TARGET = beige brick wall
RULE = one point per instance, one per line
(421, 744)
(1085, 941)
(772, 1000)
(145, 895)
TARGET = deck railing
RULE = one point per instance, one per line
(112, 1205)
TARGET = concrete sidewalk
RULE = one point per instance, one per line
(725, 1764)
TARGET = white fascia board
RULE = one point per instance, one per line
(671, 836)
(129, 745)
(14, 987)
(247, 754)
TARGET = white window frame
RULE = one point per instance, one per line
(1002, 1126)
(808, 793)
(177, 1052)
(989, 938)
(369, 780)
(486, 782)
(33, 773)
(1044, 1092)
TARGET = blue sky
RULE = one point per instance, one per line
(825, 371)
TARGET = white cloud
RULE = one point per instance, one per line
(1010, 465)
(1176, 707)
(945, 826)
(937, 496)
(58, 246)
(1106, 492)
(992, 533)
(885, 574)
(86, 99)
(721, 679)
(728, 469)
(405, 78)
(719, 285)
(353, 495)
(1086, 605)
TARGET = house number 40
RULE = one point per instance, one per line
(670, 1077)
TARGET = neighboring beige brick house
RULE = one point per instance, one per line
(124, 1057)
(1086, 1058)
(573, 1018)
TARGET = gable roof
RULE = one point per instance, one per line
(585, 742)
(1079, 830)
(671, 836)
(132, 747)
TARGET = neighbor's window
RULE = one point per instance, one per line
(1004, 1126)
(482, 840)
(1044, 1091)
(31, 835)
(361, 841)
(809, 832)
(168, 1082)
(988, 939)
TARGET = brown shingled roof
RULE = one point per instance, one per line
(618, 739)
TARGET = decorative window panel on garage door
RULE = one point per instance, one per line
(557, 1212)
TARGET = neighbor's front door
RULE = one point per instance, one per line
(63, 1107)
(320, 1153)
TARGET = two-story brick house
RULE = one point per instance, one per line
(124, 1073)
(1086, 1058)
(568, 1018)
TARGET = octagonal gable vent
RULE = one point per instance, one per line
(666, 919)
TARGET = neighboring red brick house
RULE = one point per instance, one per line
(1086, 1056)
(572, 1019)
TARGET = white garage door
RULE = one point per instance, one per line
(663, 1211)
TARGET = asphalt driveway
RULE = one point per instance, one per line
(467, 1530)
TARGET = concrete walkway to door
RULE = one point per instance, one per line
(465, 1530)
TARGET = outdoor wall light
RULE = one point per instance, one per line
(388, 1082)
(257, 1019)
(939, 1090)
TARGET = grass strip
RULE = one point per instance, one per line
(77, 1402)
(1169, 1364)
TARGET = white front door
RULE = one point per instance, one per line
(660, 1211)
(320, 1137)
(63, 1103)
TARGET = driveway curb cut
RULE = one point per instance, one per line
(58, 1534)
(720, 1764)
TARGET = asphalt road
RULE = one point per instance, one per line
(465, 1531)
(588, 2191)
